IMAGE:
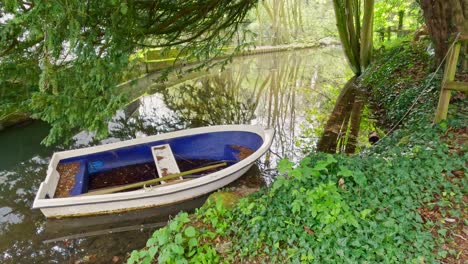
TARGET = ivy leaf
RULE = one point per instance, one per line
(284, 165)
(152, 251)
(183, 218)
(142, 254)
(345, 172)
(123, 8)
(364, 213)
(163, 238)
(192, 242)
(134, 257)
(360, 178)
(190, 231)
(174, 226)
(442, 231)
(179, 250)
(178, 239)
(151, 242)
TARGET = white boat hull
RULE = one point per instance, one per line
(148, 197)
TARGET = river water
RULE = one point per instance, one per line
(293, 92)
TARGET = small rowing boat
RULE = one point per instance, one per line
(148, 172)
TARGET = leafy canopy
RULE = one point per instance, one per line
(72, 54)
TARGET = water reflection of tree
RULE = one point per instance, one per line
(343, 126)
(219, 98)
(286, 91)
(262, 90)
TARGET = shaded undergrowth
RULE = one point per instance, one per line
(398, 76)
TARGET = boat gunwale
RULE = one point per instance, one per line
(265, 134)
(145, 191)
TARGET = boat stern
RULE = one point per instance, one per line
(47, 188)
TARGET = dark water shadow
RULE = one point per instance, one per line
(82, 227)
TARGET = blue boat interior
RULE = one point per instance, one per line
(208, 146)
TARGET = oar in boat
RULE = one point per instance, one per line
(149, 182)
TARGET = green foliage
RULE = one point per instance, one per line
(283, 22)
(343, 209)
(73, 54)
(177, 243)
(398, 75)
(371, 217)
(396, 14)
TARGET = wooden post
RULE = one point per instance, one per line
(401, 15)
(381, 34)
(449, 76)
(464, 57)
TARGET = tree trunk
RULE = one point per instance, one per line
(444, 18)
(355, 34)
(401, 15)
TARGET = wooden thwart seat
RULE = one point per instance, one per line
(165, 161)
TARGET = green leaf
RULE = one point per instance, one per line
(345, 172)
(192, 242)
(256, 218)
(174, 225)
(360, 178)
(181, 261)
(442, 253)
(146, 260)
(134, 257)
(151, 242)
(163, 238)
(183, 218)
(143, 253)
(284, 165)
(152, 251)
(177, 249)
(123, 8)
(179, 239)
(190, 231)
(442, 231)
(364, 213)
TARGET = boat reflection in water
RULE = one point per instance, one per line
(86, 227)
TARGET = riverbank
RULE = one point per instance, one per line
(400, 201)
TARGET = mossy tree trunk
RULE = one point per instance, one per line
(356, 38)
(444, 18)
(355, 35)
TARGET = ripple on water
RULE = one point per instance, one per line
(8, 217)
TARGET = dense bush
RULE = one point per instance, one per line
(397, 77)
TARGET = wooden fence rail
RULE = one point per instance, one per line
(448, 82)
